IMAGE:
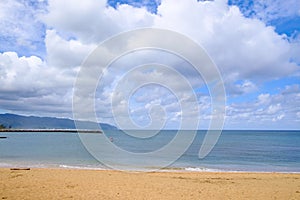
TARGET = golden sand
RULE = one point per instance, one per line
(97, 184)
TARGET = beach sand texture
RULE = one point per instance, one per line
(98, 184)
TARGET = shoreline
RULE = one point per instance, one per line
(146, 172)
(163, 170)
(41, 183)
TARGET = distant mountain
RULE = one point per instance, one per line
(33, 122)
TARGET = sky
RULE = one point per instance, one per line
(254, 44)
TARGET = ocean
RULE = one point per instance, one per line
(253, 151)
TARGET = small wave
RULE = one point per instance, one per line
(6, 165)
(25, 165)
(81, 167)
(200, 169)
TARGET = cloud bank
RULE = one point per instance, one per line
(248, 52)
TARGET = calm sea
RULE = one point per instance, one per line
(262, 151)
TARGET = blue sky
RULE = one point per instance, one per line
(255, 45)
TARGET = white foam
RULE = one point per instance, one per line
(80, 167)
(200, 169)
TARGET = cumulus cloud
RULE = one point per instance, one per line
(268, 110)
(244, 87)
(28, 85)
(94, 21)
(64, 53)
(240, 46)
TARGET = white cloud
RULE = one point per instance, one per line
(272, 109)
(65, 54)
(240, 88)
(279, 111)
(28, 85)
(263, 99)
(237, 44)
(93, 20)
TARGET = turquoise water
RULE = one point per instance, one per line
(263, 151)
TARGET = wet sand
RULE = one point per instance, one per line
(97, 184)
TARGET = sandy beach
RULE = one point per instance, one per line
(97, 184)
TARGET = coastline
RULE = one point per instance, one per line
(146, 170)
(110, 184)
(50, 131)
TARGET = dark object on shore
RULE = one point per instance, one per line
(19, 168)
(3, 137)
